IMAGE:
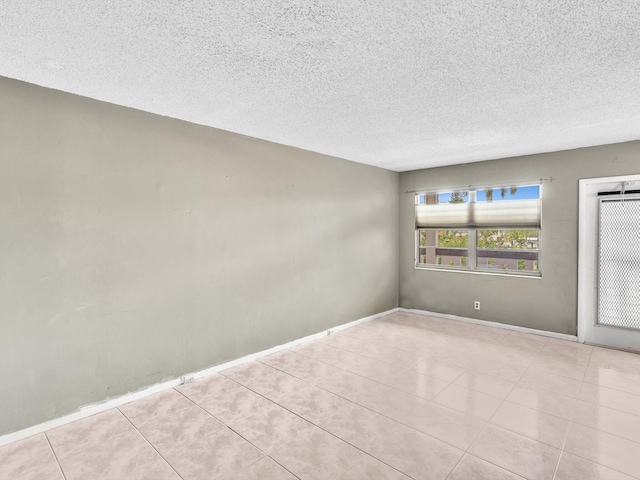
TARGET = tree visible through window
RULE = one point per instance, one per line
(504, 249)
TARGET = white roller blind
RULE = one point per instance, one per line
(498, 214)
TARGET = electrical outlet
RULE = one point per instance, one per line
(476, 305)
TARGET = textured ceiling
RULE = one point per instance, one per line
(398, 84)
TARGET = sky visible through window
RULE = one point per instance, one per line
(522, 193)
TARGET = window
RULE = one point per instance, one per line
(491, 230)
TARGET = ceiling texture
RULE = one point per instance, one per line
(400, 84)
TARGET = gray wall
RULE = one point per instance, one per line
(549, 303)
(135, 248)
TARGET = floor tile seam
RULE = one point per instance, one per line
(377, 459)
(26, 472)
(383, 343)
(277, 402)
(542, 354)
(637, 442)
(196, 404)
(85, 448)
(540, 411)
(488, 375)
(600, 464)
(264, 455)
(413, 397)
(399, 389)
(411, 476)
(464, 453)
(634, 363)
(537, 410)
(371, 410)
(347, 369)
(353, 373)
(559, 374)
(448, 382)
(399, 333)
(369, 454)
(491, 463)
(606, 407)
(558, 450)
(231, 427)
(402, 337)
(614, 371)
(479, 391)
(613, 408)
(274, 461)
(612, 388)
(377, 359)
(394, 346)
(566, 434)
(192, 402)
(445, 441)
(55, 456)
(152, 446)
(543, 390)
(494, 414)
(278, 370)
(555, 470)
(260, 449)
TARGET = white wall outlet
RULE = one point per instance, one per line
(476, 305)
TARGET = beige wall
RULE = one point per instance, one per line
(549, 303)
(135, 248)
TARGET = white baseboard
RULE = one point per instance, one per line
(533, 331)
(110, 403)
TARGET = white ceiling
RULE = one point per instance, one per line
(401, 84)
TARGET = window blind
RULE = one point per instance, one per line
(499, 214)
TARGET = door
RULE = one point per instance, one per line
(609, 262)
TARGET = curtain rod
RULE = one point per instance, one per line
(483, 187)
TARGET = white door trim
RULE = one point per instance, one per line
(587, 245)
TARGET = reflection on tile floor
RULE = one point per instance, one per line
(403, 397)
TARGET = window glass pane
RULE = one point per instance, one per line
(453, 197)
(508, 193)
(448, 248)
(512, 250)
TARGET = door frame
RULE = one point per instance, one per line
(588, 245)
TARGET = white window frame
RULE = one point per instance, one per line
(472, 241)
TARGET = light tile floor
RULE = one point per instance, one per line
(405, 396)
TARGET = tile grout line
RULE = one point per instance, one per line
(570, 424)
(149, 443)
(319, 426)
(331, 433)
(238, 433)
(494, 413)
(427, 403)
(353, 373)
(515, 384)
(55, 456)
(293, 413)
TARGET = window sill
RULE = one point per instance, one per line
(480, 272)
